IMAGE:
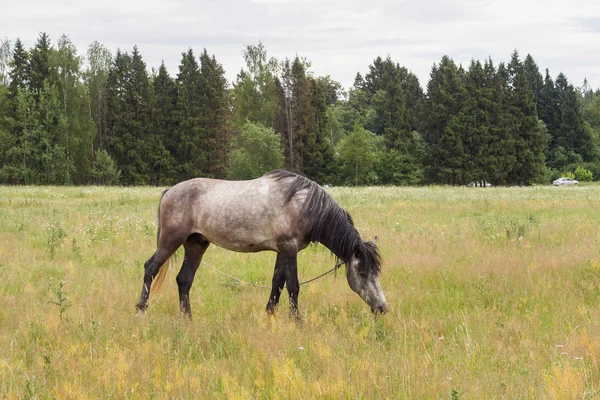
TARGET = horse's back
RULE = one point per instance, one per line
(237, 215)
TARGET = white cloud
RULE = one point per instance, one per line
(339, 37)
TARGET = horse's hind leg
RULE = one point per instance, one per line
(151, 268)
(194, 246)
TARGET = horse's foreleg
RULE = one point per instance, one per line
(292, 284)
(286, 270)
(194, 247)
(278, 282)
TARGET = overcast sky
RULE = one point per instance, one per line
(339, 37)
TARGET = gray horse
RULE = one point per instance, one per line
(281, 212)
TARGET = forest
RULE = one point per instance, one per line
(70, 118)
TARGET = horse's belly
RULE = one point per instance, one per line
(237, 236)
(242, 244)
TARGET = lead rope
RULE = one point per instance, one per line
(334, 269)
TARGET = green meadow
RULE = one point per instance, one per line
(494, 293)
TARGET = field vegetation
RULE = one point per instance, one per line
(493, 293)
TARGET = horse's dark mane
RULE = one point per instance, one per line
(331, 224)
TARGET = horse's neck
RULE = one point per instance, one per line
(342, 247)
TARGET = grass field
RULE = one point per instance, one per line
(493, 293)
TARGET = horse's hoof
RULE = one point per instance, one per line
(141, 309)
(271, 310)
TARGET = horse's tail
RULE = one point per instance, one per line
(160, 277)
(162, 272)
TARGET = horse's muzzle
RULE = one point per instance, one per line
(382, 309)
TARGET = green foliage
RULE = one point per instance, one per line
(104, 171)
(164, 121)
(569, 174)
(402, 167)
(99, 60)
(202, 117)
(506, 125)
(4, 61)
(59, 298)
(573, 139)
(302, 121)
(483, 125)
(255, 92)
(455, 394)
(583, 175)
(529, 140)
(79, 130)
(55, 235)
(19, 69)
(258, 152)
(215, 116)
(446, 94)
(357, 158)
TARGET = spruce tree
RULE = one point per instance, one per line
(120, 119)
(572, 133)
(446, 95)
(414, 99)
(532, 73)
(529, 140)
(319, 162)
(39, 66)
(164, 123)
(215, 116)
(548, 108)
(191, 157)
(19, 70)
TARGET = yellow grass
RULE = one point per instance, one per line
(494, 293)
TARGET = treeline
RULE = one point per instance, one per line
(101, 118)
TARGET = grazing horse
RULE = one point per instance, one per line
(280, 211)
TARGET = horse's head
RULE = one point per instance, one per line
(362, 272)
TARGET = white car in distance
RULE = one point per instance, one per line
(565, 182)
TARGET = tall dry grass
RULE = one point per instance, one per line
(494, 293)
